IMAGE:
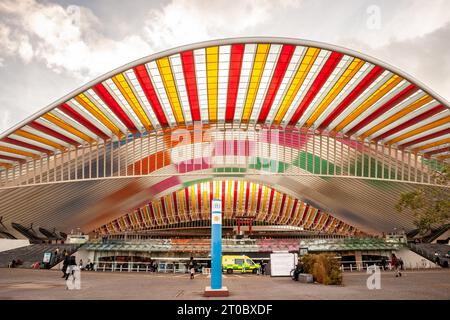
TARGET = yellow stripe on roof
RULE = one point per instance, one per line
(169, 84)
(34, 137)
(413, 106)
(432, 144)
(424, 128)
(158, 212)
(276, 206)
(286, 209)
(205, 199)
(258, 68)
(147, 215)
(169, 208)
(129, 95)
(299, 78)
(180, 197)
(57, 121)
(19, 152)
(253, 195)
(229, 202)
(384, 89)
(352, 69)
(96, 112)
(5, 165)
(217, 194)
(299, 212)
(193, 196)
(212, 74)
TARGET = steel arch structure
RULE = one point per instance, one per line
(258, 109)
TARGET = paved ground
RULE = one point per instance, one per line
(47, 284)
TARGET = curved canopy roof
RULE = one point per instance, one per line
(260, 202)
(236, 83)
(246, 81)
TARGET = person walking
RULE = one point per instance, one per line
(383, 263)
(71, 264)
(56, 258)
(396, 264)
(65, 264)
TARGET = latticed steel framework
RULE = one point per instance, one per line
(221, 150)
(247, 108)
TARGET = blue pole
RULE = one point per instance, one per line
(216, 244)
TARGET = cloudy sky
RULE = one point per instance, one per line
(49, 48)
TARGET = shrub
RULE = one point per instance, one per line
(324, 268)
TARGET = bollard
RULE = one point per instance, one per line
(120, 268)
(146, 269)
(137, 269)
(104, 267)
(351, 267)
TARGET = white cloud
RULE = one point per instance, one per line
(65, 39)
(187, 21)
(400, 21)
(69, 39)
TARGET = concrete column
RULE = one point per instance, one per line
(358, 259)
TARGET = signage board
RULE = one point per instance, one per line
(47, 257)
(281, 264)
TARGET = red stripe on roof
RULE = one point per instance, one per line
(53, 133)
(175, 206)
(363, 85)
(187, 59)
(430, 153)
(188, 209)
(327, 69)
(247, 195)
(11, 158)
(313, 225)
(272, 192)
(283, 202)
(283, 61)
(78, 117)
(425, 138)
(294, 207)
(258, 201)
(411, 122)
(304, 214)
(199, 200)
(327, 222)
(25, 145)
(237, 53)
(163, 207)
(405, 93)
(147, 86)
(103, 93)
(152, 214)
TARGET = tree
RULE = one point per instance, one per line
(430, 204)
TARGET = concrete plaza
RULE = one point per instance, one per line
(48, 284)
